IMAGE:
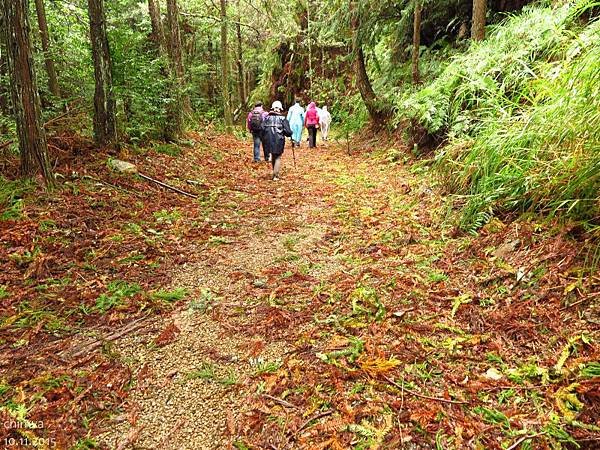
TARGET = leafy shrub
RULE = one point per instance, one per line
(512, 108)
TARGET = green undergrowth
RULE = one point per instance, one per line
(11, 197)
(521, 115)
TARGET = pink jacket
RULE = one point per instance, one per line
(312, 115)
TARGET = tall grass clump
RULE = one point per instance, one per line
(522, 115)
(494, 76)
(546, 157)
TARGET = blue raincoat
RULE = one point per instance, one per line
(295, 117)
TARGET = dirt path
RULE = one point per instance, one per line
(335, 309)
(188, 392)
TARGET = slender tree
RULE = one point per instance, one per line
(225, 66)
(105, 124)
(176, 106)
(362, 78)
(478, 23)
(158, 34)
(239, 58)
(416, 41)
(210, 48)
(45, 38)
(24, 92)
(4, 92)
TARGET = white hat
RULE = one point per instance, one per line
(277, 105)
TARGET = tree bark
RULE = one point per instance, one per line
(175, 52)
(362, 78)
(158, 33)
(416, 41)
(478, 21)
(212, 61)
(225, 67)
(27, 106)
(45, 38)
(105, 123)
(4, 92)
(239, 60)
(180, 101)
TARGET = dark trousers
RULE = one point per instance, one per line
(312, 136)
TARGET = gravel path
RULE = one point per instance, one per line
(190, 391)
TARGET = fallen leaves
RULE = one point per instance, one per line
(167, 336)
(402, 331)
(377, 366)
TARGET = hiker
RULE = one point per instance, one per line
(295, 117)
(275, 129)
(311, 121)
(254, 125)
(325, 122)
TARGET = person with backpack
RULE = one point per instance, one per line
(311, 121)
(295, 117)
(254, 125)
(275, 129)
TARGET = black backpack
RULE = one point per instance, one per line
(256, 121)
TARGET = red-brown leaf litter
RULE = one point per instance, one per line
(404, 332)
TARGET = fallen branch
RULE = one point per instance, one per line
(166, 186)
(280, 401)
(67, 113)
(580, 301)
(91, 346)
(315, 417)
(428, 397)
(524, 438)
(114, 186)
(5, 144)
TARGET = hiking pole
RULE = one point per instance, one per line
(294, 154)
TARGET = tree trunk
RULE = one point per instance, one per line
(362, 78)
(175, 52)
(4, 92)
(212, 61)
(240, 61)
(180, 100)
(416, 41)
(225, 67)
(45, 38)
(25, 97)
(478, 23)
(105, 123)
(158, 34)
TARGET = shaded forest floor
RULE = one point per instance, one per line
(333, 309)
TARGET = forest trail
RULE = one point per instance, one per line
(335, 308)
(256, 292)
(436, 288)
(187, 391)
